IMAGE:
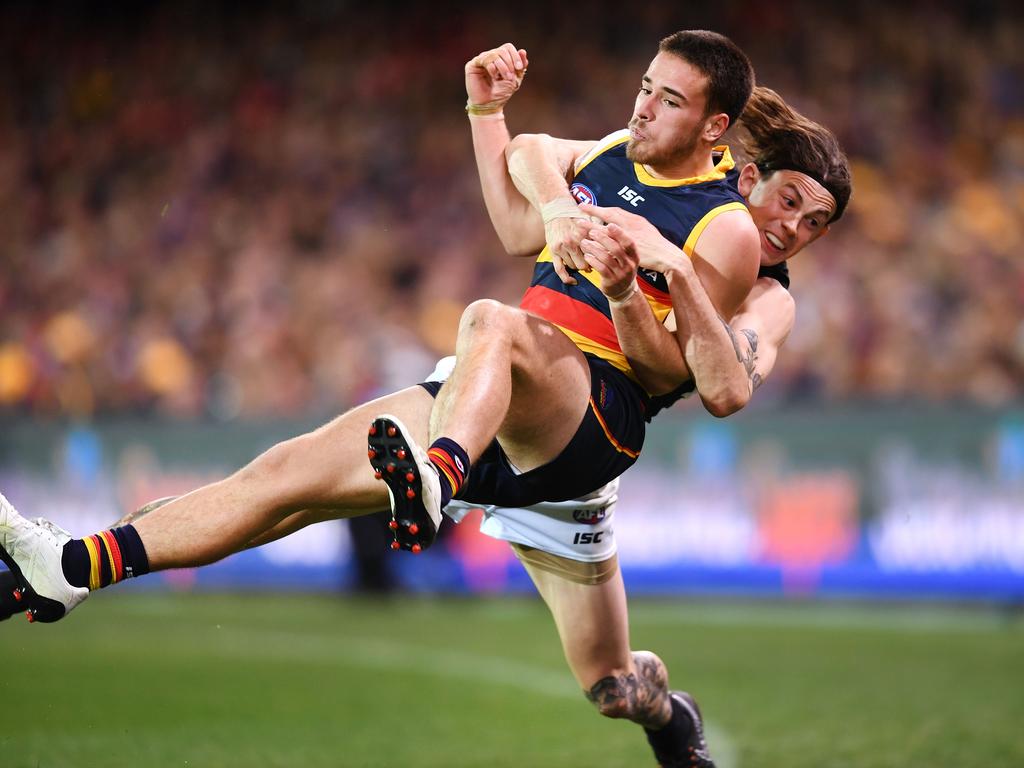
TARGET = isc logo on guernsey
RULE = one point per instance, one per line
(631, 196)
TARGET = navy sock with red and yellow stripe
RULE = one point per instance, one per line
(452, 464)
(104, 558)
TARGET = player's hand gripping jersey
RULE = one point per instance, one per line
(679, 208)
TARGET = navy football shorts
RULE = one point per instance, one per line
(606, 444)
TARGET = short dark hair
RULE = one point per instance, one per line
(781, 139)
(729, 72)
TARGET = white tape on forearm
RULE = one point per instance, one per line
(561, 208)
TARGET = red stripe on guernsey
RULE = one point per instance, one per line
(116, 563)
(651, 292)
(445, 463)
(571, 314)
(608, 433)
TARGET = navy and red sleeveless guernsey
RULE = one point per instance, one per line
(611, 434)
(680, 209)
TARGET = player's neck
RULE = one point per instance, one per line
(699, 163)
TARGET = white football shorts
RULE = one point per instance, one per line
(579, 529)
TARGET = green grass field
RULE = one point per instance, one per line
(254, 680)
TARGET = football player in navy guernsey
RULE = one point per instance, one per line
(49, 585)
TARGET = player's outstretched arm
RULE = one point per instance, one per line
(492, 78)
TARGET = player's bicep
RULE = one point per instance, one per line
(531, 152)
(726, 257)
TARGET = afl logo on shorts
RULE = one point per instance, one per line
(589, 516)
(583, 193)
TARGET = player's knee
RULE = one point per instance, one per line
(487, 315)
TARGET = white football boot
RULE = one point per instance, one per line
(32, 550)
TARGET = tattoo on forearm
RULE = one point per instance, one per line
(751, 360)
(732, 338)
(748, 360)
(641, 697)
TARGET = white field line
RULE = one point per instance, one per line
(361, 652)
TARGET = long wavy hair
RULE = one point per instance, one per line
(776, 137)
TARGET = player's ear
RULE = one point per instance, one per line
(750, 174)
(715, 126)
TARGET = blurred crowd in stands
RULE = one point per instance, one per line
(254, 210)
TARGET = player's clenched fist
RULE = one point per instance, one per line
(492, 77)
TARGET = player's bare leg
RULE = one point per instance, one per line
(325, 469)
(296, 521)
(517, 378)
(593, 625)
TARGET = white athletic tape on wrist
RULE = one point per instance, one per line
(625, 296)
(488, 108)
(561, 208)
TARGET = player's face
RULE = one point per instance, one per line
(790, 209)
(669, 114)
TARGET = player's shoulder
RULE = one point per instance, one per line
(768, 297)
(601, 146)
(732, 221)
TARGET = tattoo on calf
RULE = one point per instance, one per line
(642, 697)
(615, 695)
(656, 703)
